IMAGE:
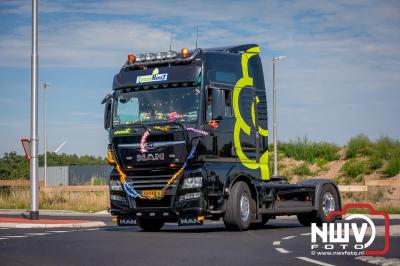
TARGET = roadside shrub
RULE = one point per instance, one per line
(353, 168)
(359, 145)
(302, 170)
(374, 163)
(393, 167)
(306, 150)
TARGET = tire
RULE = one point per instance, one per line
(150, 225)
(328, 201)
(306, 218)
(239, 199)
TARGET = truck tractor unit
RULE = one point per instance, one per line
(188, 141)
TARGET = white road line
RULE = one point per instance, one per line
(282, 250)
(37, 234)
(315, 261)
(288, 237)
(13, 236)
(276, 243)
(91, 229)
(305, 234)
(57, 231)
(1, 238)
(4, 228)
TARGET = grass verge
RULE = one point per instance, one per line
(18, 198)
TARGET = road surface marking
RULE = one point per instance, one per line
(289, 237)
(1, 238)
(37, 234)
(276, 243)
(57, 231)
(315, 261)
(91, 229)
(4, 228)
(305, 234)
(282, 250)
(14, 236)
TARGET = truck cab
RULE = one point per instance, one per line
(188, 139)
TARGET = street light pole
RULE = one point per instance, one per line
(34, 182)
(45, 86)
(275, 129)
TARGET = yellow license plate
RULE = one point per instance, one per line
(152, 193)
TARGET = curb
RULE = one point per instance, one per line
(68, 225)
(54, 213)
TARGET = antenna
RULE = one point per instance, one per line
(197, 34)
(170, 43)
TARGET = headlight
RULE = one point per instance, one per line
(192, 182)
(115, 185)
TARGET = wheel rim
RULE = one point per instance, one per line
(328, 203)
(244, 207)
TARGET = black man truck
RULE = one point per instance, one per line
(188, 139)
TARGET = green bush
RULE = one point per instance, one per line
(353, 168)
(13, 166)
(393, 167)
(306, 150)
(359, 145)
(302, 170)
(374, 163)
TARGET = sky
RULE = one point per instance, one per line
(341, 76)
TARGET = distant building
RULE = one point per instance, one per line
(75, 175)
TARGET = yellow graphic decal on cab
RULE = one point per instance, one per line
(241, 125)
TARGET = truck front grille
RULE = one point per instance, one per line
(149, 182)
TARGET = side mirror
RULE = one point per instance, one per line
(107, 114)
(218, 104)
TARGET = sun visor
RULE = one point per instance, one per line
(155, 76)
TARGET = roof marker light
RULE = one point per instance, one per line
(131, 58)
(185, 52)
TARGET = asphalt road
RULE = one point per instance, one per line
(209, 244)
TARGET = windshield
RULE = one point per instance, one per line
(159, 105)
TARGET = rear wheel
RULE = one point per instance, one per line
(151, 225)
(238, 208)
(328, 202)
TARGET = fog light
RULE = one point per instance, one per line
(193, 182)
(188, 196)
(116, 197)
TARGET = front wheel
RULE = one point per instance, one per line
(151, 225)
(238, 208)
